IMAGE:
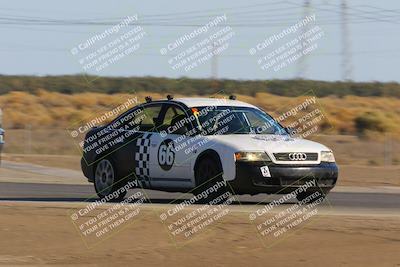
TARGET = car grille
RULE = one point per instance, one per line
(286, 157)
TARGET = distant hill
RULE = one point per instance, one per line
(72, 84)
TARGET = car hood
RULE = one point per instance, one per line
(268, 143)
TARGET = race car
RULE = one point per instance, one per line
(191, 144)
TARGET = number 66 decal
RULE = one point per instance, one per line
(166, 154)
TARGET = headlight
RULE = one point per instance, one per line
(251, 156)
(327, 156)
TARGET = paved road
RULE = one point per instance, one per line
(78, 193)
(22, 172)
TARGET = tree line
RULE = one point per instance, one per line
(70, 84)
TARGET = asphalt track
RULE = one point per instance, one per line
(81, 193)
(31, 182)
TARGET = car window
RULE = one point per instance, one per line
(142, 118)
(174, 121)
(237, 120)
(133, 120)
(258, 124)
(171, 113)
(127, 120)
(150, 117)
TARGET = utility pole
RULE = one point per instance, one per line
(301, 62)
(347, 68)
(28, 139)
(388, 150)
(214, 67)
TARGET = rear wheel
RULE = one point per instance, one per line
(106, 182)
(208, 175)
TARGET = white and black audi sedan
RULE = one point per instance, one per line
(187, 144)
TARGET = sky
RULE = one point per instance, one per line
(39, 38)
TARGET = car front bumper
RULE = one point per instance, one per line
(284, 178)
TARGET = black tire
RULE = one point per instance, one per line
(208, 173)
(106, 181)
(304, 195)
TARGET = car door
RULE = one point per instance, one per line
(125, 146)
(143, 157)
(169, 164)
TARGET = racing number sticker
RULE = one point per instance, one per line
(166, 154)
(265, 171)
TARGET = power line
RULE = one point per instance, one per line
(166, 18)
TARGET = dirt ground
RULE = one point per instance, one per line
(56, 161)
(43, 233)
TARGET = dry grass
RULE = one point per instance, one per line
(48, 109)
(36, 123)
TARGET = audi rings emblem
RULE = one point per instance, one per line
(297, 156)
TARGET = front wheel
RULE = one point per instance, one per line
(211, 184)
(106, 183)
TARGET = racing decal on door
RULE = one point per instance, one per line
(166, 154)
(142, 158)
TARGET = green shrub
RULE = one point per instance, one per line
(369, 121)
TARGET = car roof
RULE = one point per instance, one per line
(204, 102)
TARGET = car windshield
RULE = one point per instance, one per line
(235, 120)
